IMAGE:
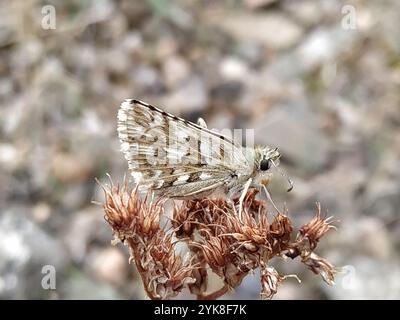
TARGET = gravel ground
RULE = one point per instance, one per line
(320, 79)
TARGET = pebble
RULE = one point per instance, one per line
(109, 265)
(261, 28)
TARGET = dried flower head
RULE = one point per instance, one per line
(316, 228)
(211, 237)
(128, 215)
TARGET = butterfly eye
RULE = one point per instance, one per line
(265, 164)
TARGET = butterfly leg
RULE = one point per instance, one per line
(270, 199)
(243, 195)
(202, 123)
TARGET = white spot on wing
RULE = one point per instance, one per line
(158, 184)
(157, 173)
(205, 176)
(181, 179)
(205, 150)
(125, 147)
(126, 105)
(181, 134)
(175, 155)
(122, 116)
(137, 176)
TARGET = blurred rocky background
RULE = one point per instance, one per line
(320, 79)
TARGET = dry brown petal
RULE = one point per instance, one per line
(233, 275)
(281, 228)
(217, 239)
(201, 284)
(184, 222)
(320, 266)
(121, 210)
(251, 232)
(316, 228)
(162, 270)
(216, 251)
(270, 280)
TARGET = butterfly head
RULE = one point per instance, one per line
(267, 158)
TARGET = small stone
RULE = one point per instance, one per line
(25, 249)
(70, 168)
(271, 29)
(6, 87)
(41, 212)
(366, 278)
(85, 226)
(82, 57)
(254, 4)
(251, 52)
(132, 42)
(293, 128)
(373, 238)
(165, 47)
(116, 60)
(79, 286)
(7, 30)
(308, 12)
(109, 265)
(8, 154)
(101, 10)
(221, 121)
(29, 52)
(175, 70)
(146, 78)
(233, 69)
(191, 96)
(75, 195)
(323, 46)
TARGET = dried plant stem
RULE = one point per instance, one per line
(142, 271)
(215, 295)
(217, 240)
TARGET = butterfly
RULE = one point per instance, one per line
(180, 159)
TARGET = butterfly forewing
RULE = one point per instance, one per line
(173, 155)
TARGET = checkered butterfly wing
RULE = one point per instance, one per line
(173, 156)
